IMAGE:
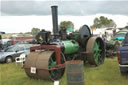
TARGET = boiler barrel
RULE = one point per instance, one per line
(70, 46)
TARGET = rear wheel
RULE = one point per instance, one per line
(96, 51)
(9, 60)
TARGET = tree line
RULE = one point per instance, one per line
(99, 22)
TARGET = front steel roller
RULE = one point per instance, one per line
(96, 51)
(43, 62)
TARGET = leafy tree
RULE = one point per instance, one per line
(21, 33)
(66, 24)
(34, 31)
(28, 33)
(103, 22)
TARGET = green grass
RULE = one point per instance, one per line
(106, 74)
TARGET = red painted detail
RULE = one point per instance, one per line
(52, 68)
(118, 55)
(118, 61)
(50, 47)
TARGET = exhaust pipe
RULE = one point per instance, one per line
(55, 21)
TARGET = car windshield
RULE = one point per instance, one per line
(118, 35)
(17, 47)
(11, 49)
(27, 46)
(122, 32)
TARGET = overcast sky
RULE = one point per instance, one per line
(68, 7)
(22, 15)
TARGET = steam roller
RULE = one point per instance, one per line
(47, 58)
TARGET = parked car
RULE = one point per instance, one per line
(9, 54)
(118, 38)
(120, 35)
(12, 42)
(114, 43)
(123, 56)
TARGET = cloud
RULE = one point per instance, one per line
(16, 24)
(73, 8)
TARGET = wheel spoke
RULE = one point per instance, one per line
(56, 73)
(52, 63)
(97, 52)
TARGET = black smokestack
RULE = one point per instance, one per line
(55, 21)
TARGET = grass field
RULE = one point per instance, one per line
(106, 74)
